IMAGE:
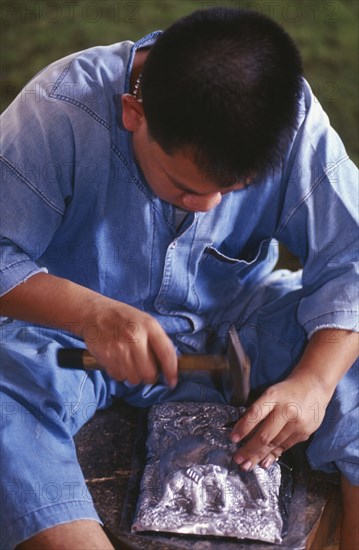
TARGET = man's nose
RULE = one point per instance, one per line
(201, 203)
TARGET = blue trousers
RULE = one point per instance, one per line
(43, 406)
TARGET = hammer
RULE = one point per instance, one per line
(234, 364)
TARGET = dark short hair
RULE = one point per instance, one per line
(223, 84)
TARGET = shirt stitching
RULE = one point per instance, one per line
(15, 264)
(195, 295)
(331, 326)
(62, 503)
(83, 107)
(130, 171)
(310, 192)
(60, 79)
(331, 313)
(31, 186)
(148, 39)
(75, 102)
(135, 180)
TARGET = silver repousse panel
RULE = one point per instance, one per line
(191, 484)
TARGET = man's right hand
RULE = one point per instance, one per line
(130, 344)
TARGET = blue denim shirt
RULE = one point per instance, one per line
(74, 203)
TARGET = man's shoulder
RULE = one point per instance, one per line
(86, 75)
(315, 142)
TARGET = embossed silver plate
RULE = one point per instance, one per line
(191, 484)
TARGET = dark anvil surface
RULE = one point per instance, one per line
(111, 451)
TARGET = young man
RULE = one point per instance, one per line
(144, 189)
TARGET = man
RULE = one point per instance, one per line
(144, 189)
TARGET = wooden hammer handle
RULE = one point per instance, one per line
(208, 363)
(73, 358)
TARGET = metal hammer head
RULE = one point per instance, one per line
(239, 366)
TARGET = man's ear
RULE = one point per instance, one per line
(132, 112)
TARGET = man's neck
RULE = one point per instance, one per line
(137, 66)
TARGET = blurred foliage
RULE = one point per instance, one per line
(35, 33)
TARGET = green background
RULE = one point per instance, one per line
(35, 33)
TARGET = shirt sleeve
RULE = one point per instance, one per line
(320, 223)
(35, 171)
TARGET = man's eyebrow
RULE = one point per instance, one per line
(182, 186)
(177, 183)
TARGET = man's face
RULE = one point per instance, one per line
(175, 178)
